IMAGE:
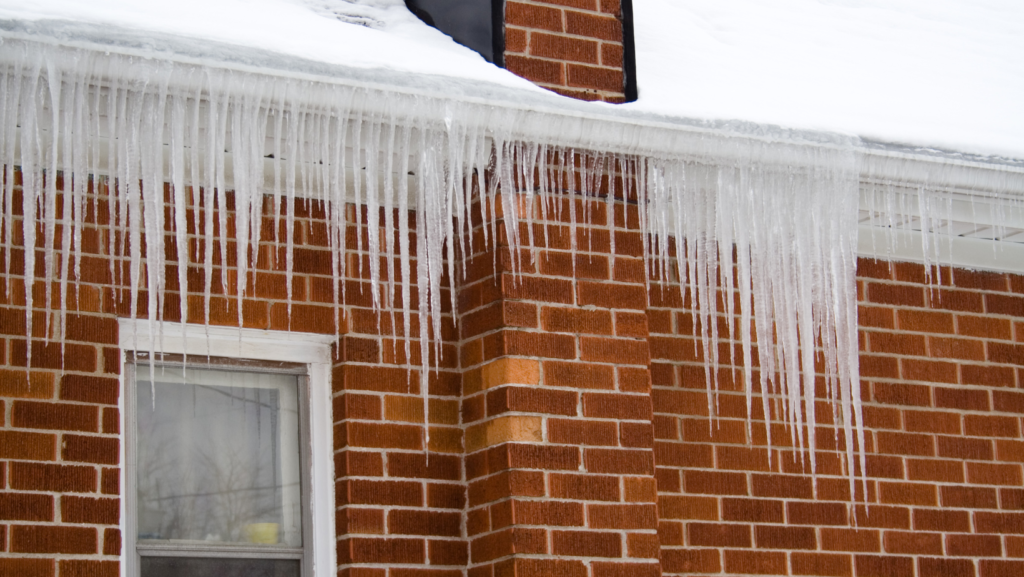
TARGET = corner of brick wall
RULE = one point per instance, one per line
(397, 506)
(556, 401)
(572, 47)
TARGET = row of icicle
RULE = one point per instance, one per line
(785, 214)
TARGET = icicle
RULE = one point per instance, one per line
(389, 224)
(30, 150)
(403, 152)
(770, 221)
(218, 128)
(292, 157)
(113, 185)
(67, 109)
(180, 202)
(358, 166)
(372, 157)
(423, 276)
(81, 150)
(337, 208)
(55, 84)
(12, 104)
(209, 211)
(451, 178)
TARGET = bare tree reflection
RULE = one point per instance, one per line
(208, 467)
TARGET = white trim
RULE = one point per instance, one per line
(958, 251)
(312, 349)
(190, 339)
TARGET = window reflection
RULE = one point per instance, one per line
(218, 457)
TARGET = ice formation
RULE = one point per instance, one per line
(781, 206)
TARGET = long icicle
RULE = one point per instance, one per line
(771, 204)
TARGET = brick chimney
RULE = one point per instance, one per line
(577, 48)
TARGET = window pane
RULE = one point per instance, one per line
(185, 567)
(218, 457)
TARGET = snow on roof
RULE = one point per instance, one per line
(357, 34)
(934, 73)
(941, 73)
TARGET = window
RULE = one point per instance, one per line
(222, 466)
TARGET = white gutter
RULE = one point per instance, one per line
(600, 125)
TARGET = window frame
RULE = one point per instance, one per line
(306, 355)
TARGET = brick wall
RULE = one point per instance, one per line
(59, 444)
(569, 427)
(573, 47)
(942, 372)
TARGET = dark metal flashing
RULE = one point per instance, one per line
(628, 51)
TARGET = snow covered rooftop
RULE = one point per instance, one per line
(925, 73)
(939, 73)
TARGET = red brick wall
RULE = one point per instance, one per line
(569, 428)
(59, 445)
(573, 47)
(397, 508)
(943, 406)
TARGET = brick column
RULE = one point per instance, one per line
(556, 404)
(399, 511)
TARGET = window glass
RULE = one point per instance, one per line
(178, 566)
(217, 461)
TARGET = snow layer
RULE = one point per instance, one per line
(933, 73)
(939, 73)
(362, 34)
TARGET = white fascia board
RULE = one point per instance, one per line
(975, 208)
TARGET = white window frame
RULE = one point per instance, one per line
(141, 336)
